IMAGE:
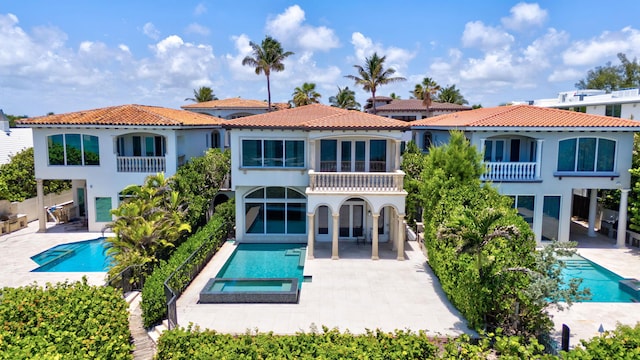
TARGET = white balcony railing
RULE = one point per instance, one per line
(512, 171)
(356, 181)
(142, 164)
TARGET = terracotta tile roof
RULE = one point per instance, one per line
(317, 117)
(523, 116)
(416, 105)
(232, 103)
(125, 115)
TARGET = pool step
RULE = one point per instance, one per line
(300, 253)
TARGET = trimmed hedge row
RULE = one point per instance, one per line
(331, 344)
(212, 235)
(64, 321)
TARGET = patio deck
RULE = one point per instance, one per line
(354, 293)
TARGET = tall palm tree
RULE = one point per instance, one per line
(202, 94)
(267, 57)
(345, 99)
(450, 94)
(426, 91)
(305, 95)
(394, 96)
(373, 74)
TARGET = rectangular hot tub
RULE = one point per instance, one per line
(282, 290)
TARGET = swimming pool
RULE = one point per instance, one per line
(604, 284)
(265, 261)
(82, 256)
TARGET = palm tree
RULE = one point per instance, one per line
(267, 57)
(373, 74)
(202, 94)
(426, 91)
(450, 94)
(394, 96)
(345, 99)
(305, 95)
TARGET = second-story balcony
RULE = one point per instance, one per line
(356, 182)
(141, 164)
(512, 171)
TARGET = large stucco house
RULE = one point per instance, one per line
(104, 150)
(415, 109)
(318, 174)
(541, 156)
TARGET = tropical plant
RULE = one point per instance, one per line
(345, 99)
(149, 220)
(394, 96)
(267, 57)
(305, 95)
(202, 94)
(373, 74)
(426, 91)
(449, 94)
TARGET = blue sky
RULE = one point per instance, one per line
(67, 56)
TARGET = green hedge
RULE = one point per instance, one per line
(330, 344)
(154, 302)
(64, 321)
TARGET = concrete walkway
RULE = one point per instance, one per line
(584, 319)
(18, 247)
(354, 293)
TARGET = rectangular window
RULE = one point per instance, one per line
(275, 218)
(567, 155)
(103, 209)
(613, 110)
(137, 146)
(273, 153)
(328, 155)
(91, 150)
(360, 155)
(378, 156)
(73, 149)
(159, 145)
(551, 217)
(345, 156)
(586, 154)
(81, 209)
(606, 153)
(488, 150)
(55, 144)
(294, 153)
(254, 218)
(149, 146)
(121, 146)
(525, 205)
(251, 153)
(296, 218)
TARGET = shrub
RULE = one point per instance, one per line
(212, 235)
(621, 343)
(64, 321)
(191, 343)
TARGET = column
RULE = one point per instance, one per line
(334, 243)
(310, 235)
(593, 203)
(312, 155)
(396, 166)
(42, 213)
(538, 157)
(400, 237)
(622, 218)
(392, 230)
(374, 237)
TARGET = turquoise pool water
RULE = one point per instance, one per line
(602, 282)
(82, 256)
(265, 261)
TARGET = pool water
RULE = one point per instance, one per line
(82, 256)
(265, 261)
(602, 282)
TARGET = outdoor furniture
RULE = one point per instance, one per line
(609, 221)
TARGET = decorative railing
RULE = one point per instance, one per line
(142, 164)
(332, 166)
(130, 279)
(356, 181)
(512, 171)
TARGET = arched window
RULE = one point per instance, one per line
(588, 154)
(275, 210)
(73, 149)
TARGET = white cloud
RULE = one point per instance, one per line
(150, 30)
(525, 15)
(487, 38)
(493, 67)
(397, 58)
(544, 49)
(603, 48)
(200, 9)
(234, 61)
(560, 75)
(289, 27)
(195, 28)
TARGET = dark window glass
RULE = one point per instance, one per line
(328, 155)
(586, 154)
(137, 146)
(254, 218)
(251, 153)
(275, 218)
(275, 193)
(567, 155)
(91, 150)
(294, 153)
(296, 218)
(73, 147)
(273, 153)
(606, 154)
(378, 156)
(55, 144)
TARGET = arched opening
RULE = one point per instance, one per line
(275, 210)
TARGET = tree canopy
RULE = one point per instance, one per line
(305, 95)
(373, 74)
(450, 94)
(613, 77)
(345, 99)
(267, 57)
(202, 94)
(426, 91)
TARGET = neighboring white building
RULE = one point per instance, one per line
(414, 109)
(12, 140)
(540, 156)
(104, 150)
(621, 104)
(318, 173)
